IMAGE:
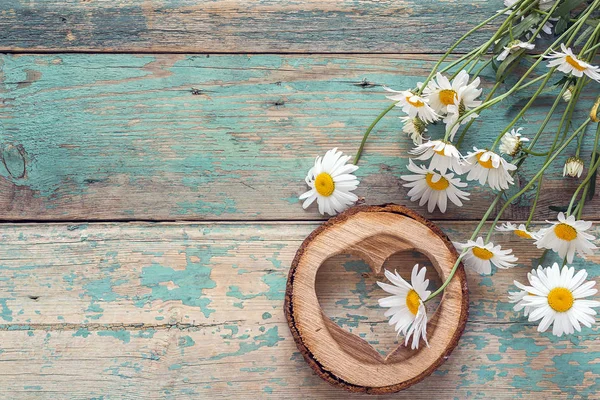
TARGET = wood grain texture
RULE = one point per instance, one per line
(238, 26)
(178, 310)
(124, 137)
(374, 234)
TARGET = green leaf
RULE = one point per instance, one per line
(584, 35)
(518, 30)
(561, 26)
(564, 10)
(508, 64)
(530, 21)
(559, 208)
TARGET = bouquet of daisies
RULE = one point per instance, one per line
(555, 43)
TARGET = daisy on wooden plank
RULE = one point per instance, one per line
(558, 298)
(480, 256)
(413, 105)
(434, 188)
(565, 61)
(331, 182)
(487, 166)
(567, 236)
(520, 230)
(444, 156)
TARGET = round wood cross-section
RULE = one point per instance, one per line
(373, 233)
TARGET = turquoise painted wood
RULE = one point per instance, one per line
(239, 26)
(121, 137)
(183, 111)
(195, 311)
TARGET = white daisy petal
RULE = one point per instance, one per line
(331, 182)
(520, 230)
(480, 257)
(406, 308)
(487, 166)
(512, 142)
(433, 188)
(567, 237)
(557, 297)
(413, 105)
(565, 61)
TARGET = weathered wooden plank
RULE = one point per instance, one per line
(231, 26)
(106, 137)
(182, 310)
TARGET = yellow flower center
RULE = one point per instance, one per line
(522, 234)
(485, 164)
(482, 253)
(560, 299)
(565, 232)
(442, 184)
(417, 103)
(412, 301)
(324, 184)
(447, 97)
(574, 63)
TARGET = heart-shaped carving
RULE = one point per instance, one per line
(348, 293)
(375, 234)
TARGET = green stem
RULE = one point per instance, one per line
(369, 129)
(469, 33)
(517, 86)
(522, 112)
(533, 153)
(537, 176)
(589, 175)
(535, 200)
(466, 128)
(458, 260)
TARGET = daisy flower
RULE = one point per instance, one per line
(512, 142)
(331, 182)
(406, 307)
(558, 299)
(413, 105)
(517, 297)
(465, 103)
(566, 237)
(565, 61)
(521, 231)
(441, 93)
(487, 166)
(513, 47)
(573, 167)
(480, 256)
(434, 188)
(415, 128)
(567, 94)
(444, 156)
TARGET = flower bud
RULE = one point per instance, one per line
(573, 167)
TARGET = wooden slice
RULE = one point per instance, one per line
(373, 233)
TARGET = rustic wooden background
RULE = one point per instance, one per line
(152, 155)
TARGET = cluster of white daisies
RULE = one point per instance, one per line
(554, 296)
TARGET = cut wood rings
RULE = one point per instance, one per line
(373, 233)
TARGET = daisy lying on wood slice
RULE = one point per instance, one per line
(456, 96)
